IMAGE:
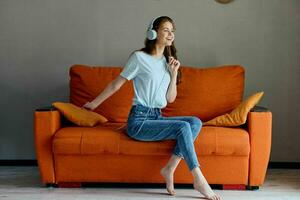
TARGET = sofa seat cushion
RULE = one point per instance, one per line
(130, 146)
(223, 141)
(102, 139)
(211, 141)
(105, 139)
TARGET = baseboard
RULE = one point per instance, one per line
(272, 165)
(18, 162)
(284, 165)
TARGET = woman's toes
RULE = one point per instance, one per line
(216, 197)
(171, 192)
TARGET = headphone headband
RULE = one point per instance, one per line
(150, 27)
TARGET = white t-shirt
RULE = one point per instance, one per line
(151, 79)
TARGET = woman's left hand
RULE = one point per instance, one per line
(173, 66)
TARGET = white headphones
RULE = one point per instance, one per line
(152, 34)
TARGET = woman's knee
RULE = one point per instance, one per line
(185, 127)
(196, 123)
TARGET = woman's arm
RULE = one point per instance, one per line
(110, 89)
(172, 89)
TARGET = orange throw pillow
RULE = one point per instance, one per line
(238, 116)
(79, 116)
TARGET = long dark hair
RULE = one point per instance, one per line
(169, 50)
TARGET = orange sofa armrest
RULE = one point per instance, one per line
(259, 123)
(46, 122)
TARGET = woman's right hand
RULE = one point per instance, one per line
(89, 105)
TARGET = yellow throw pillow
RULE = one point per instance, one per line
(79, 116)
(238, 116)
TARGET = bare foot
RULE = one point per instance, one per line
(168, 175)
(204, 188)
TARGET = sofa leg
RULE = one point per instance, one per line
(234, 187)
(249, 187)
(69, 184)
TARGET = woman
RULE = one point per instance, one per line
(155, 82)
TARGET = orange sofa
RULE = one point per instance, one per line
(229, 156)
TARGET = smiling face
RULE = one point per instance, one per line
(165, 34)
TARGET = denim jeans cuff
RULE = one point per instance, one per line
(194, 166)
(178, 155)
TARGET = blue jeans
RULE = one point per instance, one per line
(184, 129)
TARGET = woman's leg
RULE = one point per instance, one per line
(200, 183)
(155, 130)
(195, 123)
(168, 170)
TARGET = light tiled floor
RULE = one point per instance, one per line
(24, 183)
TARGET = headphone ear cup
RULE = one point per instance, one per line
(151, 34)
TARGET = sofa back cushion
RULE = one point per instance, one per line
(208, 92)
(87, 82)
(203, 92)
